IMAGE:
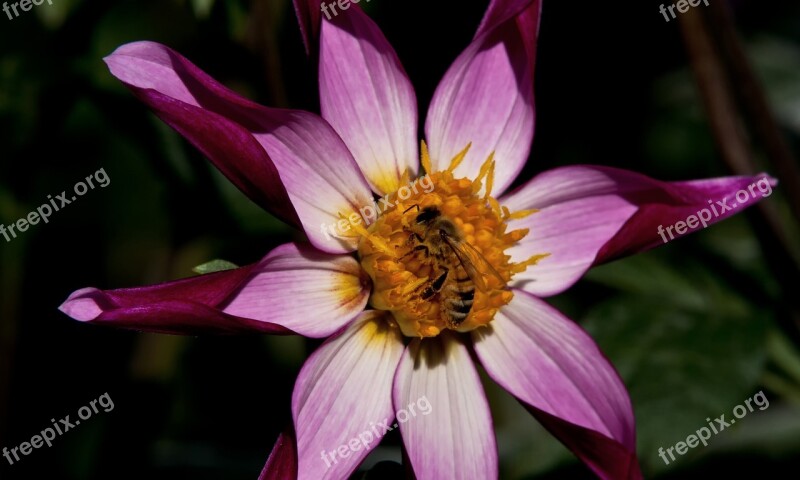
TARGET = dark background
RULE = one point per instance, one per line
(695, 328)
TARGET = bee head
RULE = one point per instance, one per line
(428, 214)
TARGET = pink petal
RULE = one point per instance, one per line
(500, 11)
(455, 438)
(591, 214)
(183, 307)
(342, 393)
(211, 303)
(282, 462)
(315, 170)
(309, 292)
(552, 366)
(686, 199)
(231, 148)
(308, 14)
(367, 97)
(486, 97)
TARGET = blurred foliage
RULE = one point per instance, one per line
(682, 342)
(691, 327)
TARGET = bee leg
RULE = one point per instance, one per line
(435, 286)
(415, 250)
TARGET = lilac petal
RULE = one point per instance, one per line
(317, 177)
(149, 70)
(500, 11)
(486, 97)
(307, 291)
(451, 433)
(282, 462)
(367, 97)
(341, 396)
(183, 307)
(551, 365)
(308, 14)
(571, 232)
(211, 303)
(589, 214)
(686, 199)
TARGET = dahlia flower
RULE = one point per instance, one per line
(352, 179)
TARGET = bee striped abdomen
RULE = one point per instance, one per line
(457, 300)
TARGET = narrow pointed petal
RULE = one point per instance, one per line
(686, 199)
(486, 97)
(308, 15)
(342, 393)
(303, 172)
(500, 11)
(367, 97)
(551, 365)
(453, 437)
(231, 148)
(149, 69)
(305, 290)
(589, 215)
(282, 462)
(285, 293)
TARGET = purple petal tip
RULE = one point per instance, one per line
(81, 305)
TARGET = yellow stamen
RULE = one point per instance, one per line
(519, 214)
(456, 161)
(522, 266)
(404, 179)
(375, 240)
(425, 158)
(495, 206)
(489, 179)
(484, 170)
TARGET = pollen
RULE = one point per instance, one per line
(437, 257)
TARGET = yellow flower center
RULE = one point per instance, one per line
(437, 255)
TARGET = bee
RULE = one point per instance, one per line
(454, 259)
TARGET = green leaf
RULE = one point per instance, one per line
(214, 266)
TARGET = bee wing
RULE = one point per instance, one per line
(474, 263)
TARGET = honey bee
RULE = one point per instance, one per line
(454, 259)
